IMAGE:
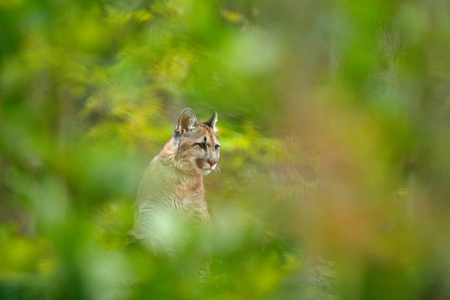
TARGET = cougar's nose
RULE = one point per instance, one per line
(212, 163)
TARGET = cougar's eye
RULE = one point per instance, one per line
(217, 146)
(202, 145)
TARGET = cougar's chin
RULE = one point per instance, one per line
(206, 172)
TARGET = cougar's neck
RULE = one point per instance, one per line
(168, 152)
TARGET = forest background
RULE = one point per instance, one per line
(334, 124)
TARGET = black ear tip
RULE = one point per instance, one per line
(211, 122)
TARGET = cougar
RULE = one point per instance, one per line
(172, 186)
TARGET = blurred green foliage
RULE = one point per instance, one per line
(334, 123)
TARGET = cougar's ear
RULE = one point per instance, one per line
(212, 122)
(186, 122)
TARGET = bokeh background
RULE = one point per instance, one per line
(334, 120)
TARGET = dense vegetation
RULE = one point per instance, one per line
(334, 124)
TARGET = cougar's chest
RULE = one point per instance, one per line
(190, 194)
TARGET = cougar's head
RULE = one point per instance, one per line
(197, 146)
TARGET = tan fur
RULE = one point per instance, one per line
(172, 186)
